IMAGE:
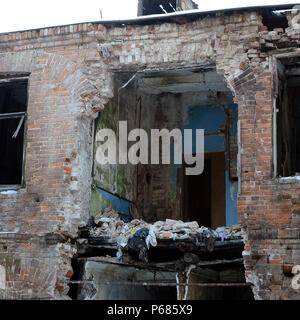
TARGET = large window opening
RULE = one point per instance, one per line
(13, 107)
(193, 98)
(287, 115)
(162, 194)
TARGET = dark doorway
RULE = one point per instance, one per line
(204, 195)
(197, 196)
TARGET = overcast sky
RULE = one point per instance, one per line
(18, 15)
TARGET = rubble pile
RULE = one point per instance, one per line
(109, 224)
(137, 236)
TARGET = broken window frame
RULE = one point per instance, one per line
(274, 63)
(13, 78)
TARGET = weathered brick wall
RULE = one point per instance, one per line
(71, 68)
(63, 90)
(267, 207)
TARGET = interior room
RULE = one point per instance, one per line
(191, 98)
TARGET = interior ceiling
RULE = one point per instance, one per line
(182, 81)
(292, 70)
(291, 62)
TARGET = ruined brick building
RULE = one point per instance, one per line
(233, 73)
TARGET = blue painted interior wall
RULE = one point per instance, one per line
(211, 118)
(118, 204)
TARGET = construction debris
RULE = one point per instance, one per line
(139, 235)
(109, 224)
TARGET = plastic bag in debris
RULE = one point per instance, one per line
(122, 242)
(137, 244)
(206, 232)
(181, 237)
(151, 239)
(125, 217)
(119, 253)
(141, 233)
(222, 232)
(223, 235)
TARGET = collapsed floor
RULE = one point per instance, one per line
(123, 258)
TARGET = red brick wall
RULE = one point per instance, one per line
(57, 167)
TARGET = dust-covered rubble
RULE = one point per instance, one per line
(109, 224)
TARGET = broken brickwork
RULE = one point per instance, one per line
(61, 104)
(70, 81)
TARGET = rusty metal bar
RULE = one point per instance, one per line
(12, 115)
(18, 128)
(164, 284)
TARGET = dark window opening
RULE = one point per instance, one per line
(157, 7)
(274, 19)
(13, 107)
(147, 7)
(288, 117)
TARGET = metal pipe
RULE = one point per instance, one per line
(12, 115)
(163, 284)
(18, 128)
